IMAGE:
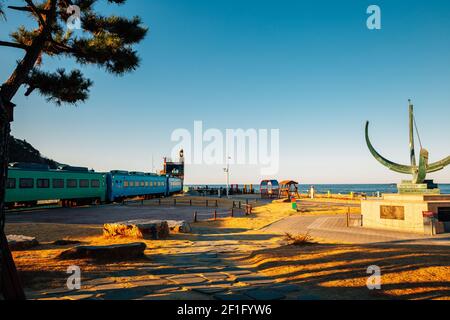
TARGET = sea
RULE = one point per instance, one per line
(369, 189)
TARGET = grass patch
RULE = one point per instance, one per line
(299, 240)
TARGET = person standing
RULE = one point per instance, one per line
(312, 192)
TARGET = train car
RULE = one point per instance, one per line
(174, 185)
(30, 184)
(123, 185)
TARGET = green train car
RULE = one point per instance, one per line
(31, 185)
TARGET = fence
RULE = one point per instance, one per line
(216, 214)
(354, 220)
(238, 207)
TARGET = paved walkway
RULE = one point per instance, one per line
(334, 228)
(114, 213)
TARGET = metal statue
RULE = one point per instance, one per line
(418, 172)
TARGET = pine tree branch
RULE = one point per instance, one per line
(36, 12)
(13, 45)
(17, 8)
(33, 53)
(27, 9)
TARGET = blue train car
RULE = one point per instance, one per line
(175, 185)
(124, 184)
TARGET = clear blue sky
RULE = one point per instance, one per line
(310, 68)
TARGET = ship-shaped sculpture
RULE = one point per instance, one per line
(418, 184)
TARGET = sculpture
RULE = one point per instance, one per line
(419, 172)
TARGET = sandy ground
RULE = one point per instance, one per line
(324, 269)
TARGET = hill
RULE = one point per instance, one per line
(22, 151)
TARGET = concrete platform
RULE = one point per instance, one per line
(407, 212)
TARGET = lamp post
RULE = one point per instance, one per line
(227, 171)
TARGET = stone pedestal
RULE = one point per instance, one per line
(419, 213)
(428, 187)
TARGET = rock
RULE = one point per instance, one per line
(63, 243)
(17, 243)
(119, 252)
(139, 229)
(179, 226)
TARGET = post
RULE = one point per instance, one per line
(348, 217)
(195, 217)
(190, 202)
(227, 171)
(215, 215)
(159, 201)
(232, 212)
(217, 204)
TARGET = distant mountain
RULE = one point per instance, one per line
(22, 151)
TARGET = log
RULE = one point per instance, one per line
(138, 229)
(120, 252)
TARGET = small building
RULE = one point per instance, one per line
(270, 189)
(288, 188)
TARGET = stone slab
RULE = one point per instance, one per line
(121, 252)
(179, 226)
(186, 279)
(285, 288)
(19, 242)
(231, 297)
(262, 294)
(210, 290)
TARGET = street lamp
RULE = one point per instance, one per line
(227, 171)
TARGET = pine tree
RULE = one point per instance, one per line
(104, 41)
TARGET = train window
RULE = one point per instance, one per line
(146, 183)
(58, 183)
(26, 183)
(84, 183)
(95, 183)
(43, 183)
(11, 183)
(142, 184)
(125, 184)
(131, 183)
(72, 183)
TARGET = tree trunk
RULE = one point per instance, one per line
(10, 285)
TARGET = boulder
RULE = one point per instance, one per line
(179, 226)
(139, 229)
(120, 252)
(17, 243)
(62, 243)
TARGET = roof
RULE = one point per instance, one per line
(266, 182)
(287, 182)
